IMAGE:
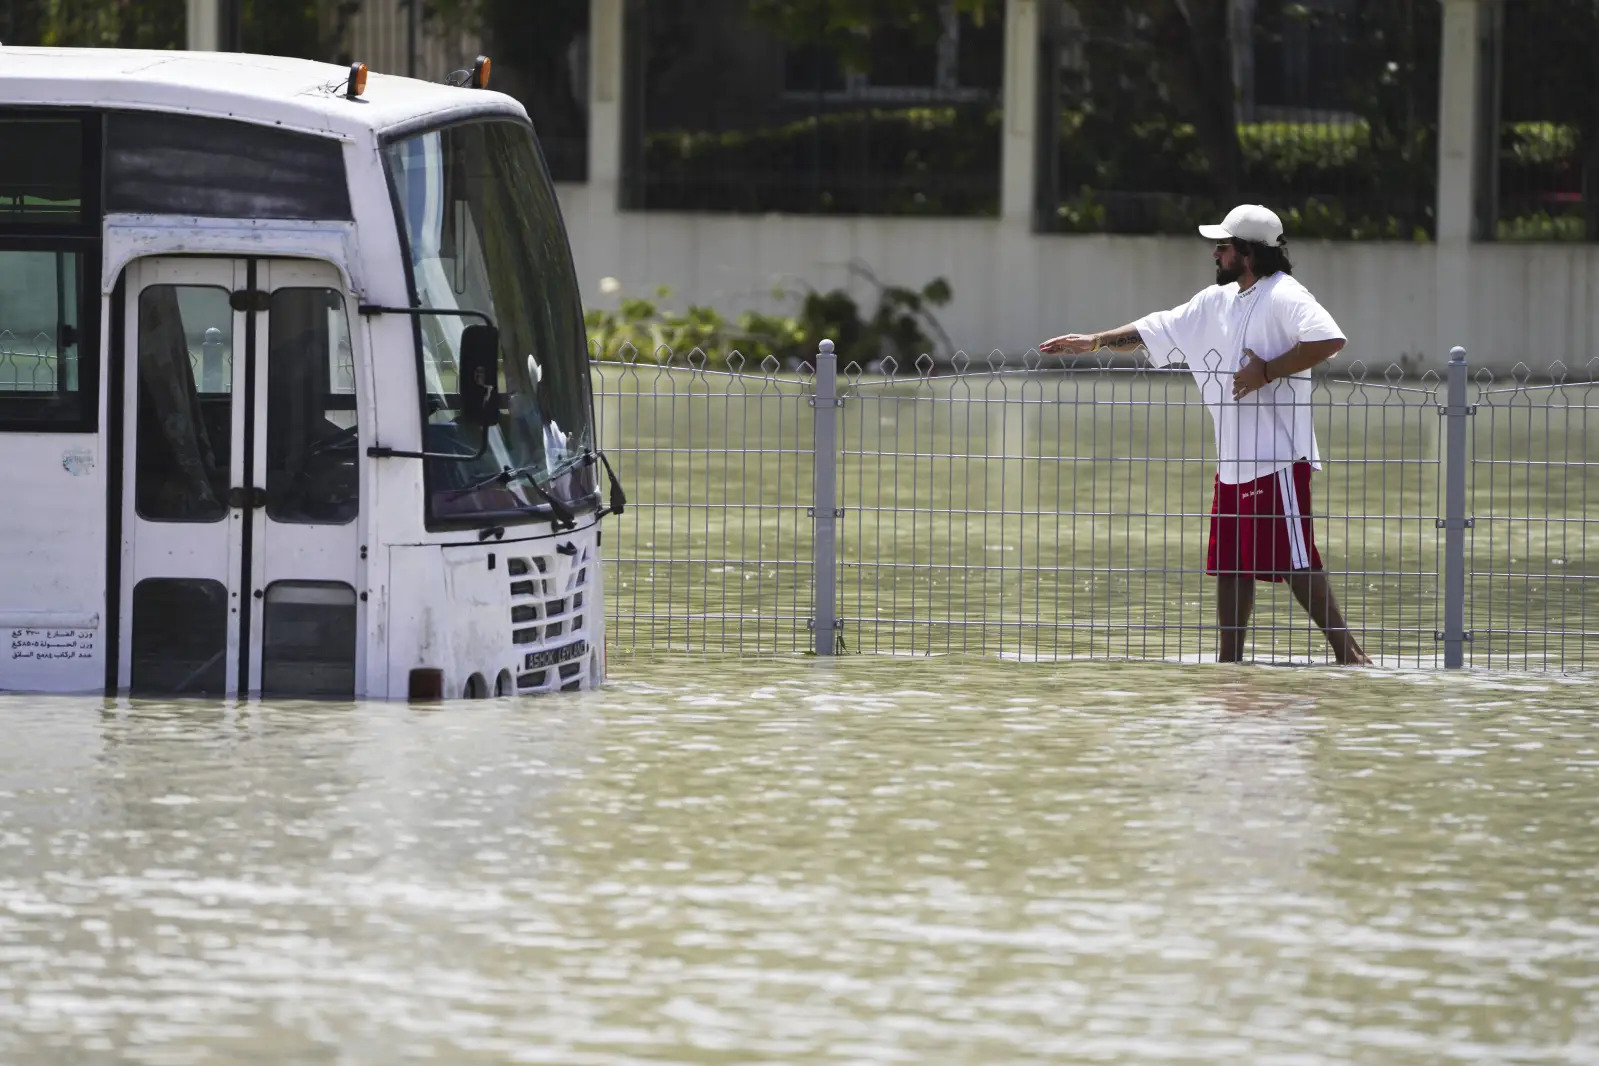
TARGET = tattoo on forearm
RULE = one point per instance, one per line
(1127, 338)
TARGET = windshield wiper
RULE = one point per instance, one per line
(618, 496)
(564, 518)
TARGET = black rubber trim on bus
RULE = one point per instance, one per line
(115, 454)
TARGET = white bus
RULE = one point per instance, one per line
(294, 392)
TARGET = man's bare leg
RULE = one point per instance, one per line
(1314, 593)
(1235, 598)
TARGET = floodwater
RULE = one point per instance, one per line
(871, 860)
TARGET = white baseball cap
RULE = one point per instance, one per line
(1247, 222)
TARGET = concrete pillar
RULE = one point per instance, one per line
(205, 26)
(1241, 33)
(593, 209)
(1460, 146)
(1459, 128)
(606, 60)
(1019, 151)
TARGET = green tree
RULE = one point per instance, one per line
(1556, 39)
(1391, 82)
(842, 26)
(309, 29)
(1153, 110)
(531, 45)
(530, 40)
(98, 23)
(534, 61)
(1148, 58)
(304, 29)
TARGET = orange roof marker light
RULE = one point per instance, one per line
(476, 78)
(357, 83)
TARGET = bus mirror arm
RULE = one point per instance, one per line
(477, 363)
(448, 312)
(480, 347)
(377, 451)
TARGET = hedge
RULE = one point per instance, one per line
(912, 161)
(1338, 180)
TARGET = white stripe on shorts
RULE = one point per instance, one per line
(1298, 557)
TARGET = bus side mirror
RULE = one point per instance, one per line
(480, 376)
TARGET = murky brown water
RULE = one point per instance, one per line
(868, 861)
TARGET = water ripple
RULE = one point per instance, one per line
(862, 861)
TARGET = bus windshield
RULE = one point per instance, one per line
(483, 231)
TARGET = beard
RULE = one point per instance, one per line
(1226, 276)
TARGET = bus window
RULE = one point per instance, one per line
(42, 376)
(49, 256)
(311, 469)
(160, 163)
(41, 170)
(483, 230)
(185, 432)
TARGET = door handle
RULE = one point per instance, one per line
(246, 498)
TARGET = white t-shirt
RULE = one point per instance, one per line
(1267, 430)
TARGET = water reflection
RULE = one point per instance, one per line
(796, 861)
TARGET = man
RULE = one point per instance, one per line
(1250, 341)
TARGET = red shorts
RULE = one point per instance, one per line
(1261, 528)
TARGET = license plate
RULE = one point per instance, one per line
(556, 656)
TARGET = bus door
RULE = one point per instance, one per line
(240, 489)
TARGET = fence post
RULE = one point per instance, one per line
(824, 505)
(1454, 521)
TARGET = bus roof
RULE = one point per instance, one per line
(292, 93)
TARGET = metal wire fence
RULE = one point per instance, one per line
(715, 548)
(1027, 509)
(1532, 555)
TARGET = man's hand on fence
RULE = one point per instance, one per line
(1251, 377)
(1070, 344)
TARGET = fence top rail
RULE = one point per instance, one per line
(697, 361)
(1523, 378)
(1319, 400)
(858, 376)
(1522, 390)
(998, 364)
(885, 378)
